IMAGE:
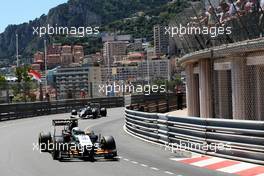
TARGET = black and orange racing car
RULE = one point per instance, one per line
(72, 142)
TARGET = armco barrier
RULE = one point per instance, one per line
(233, 139)
(31, 109)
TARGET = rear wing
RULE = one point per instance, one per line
(64, 122)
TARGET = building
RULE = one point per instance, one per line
(92, 59)
(38, 56)
(161, 40)
(53, 56)
(114, 51)
(38, 62)
(127, 73)
(138, 71)
(153, 69)
(136, 45)
(114, 37)
(70, 81)
(95, 80)
(58, 55)
(78, 53)
(132, 58)
(66, 55)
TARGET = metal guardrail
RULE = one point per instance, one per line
(233, 139)
(31, 109)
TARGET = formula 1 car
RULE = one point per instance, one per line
(72, 142)
(92, 110)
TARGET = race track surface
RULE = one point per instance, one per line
(136, 157)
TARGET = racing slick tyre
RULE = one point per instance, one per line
(108, 143)
(56, 152)
(103, 112)
(44, 141)
(89, 155)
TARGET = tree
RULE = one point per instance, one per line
(23, 89)
(3, 82)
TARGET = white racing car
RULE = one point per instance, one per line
(73, 142)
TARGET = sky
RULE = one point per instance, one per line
(20, 11)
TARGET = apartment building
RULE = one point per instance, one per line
(161, 40)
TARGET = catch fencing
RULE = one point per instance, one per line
(158, 103)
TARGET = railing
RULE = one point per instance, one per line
(233, 139)
(158, 103)
(22, 110)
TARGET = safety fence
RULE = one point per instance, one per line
(158, 103)
(234, 139)
(22, 110)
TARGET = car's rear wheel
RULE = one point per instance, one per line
(103, 112)
(108, 143)
(44, 141)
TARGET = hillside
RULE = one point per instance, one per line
(106, 13)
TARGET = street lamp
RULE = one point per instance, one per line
(45, 51)
(17, 50)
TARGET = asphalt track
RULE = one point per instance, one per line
(137, 158)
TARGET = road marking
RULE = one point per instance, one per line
(134, 162)
(237, 167)
(168, 172)
(154, 168)
(223, 165)
(3, 126)
(180, 159)
(143, 165)
(208, 162)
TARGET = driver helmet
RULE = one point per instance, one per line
(74, 112)
(77, 131)
(89, 132)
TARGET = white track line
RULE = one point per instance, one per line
(260, 174)
(143, 165)
(168, 172)
(3, 126)
(208, 162)
(126, 159)
(134, 162)
(180, 159)
(154, 168)
(237, 167)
